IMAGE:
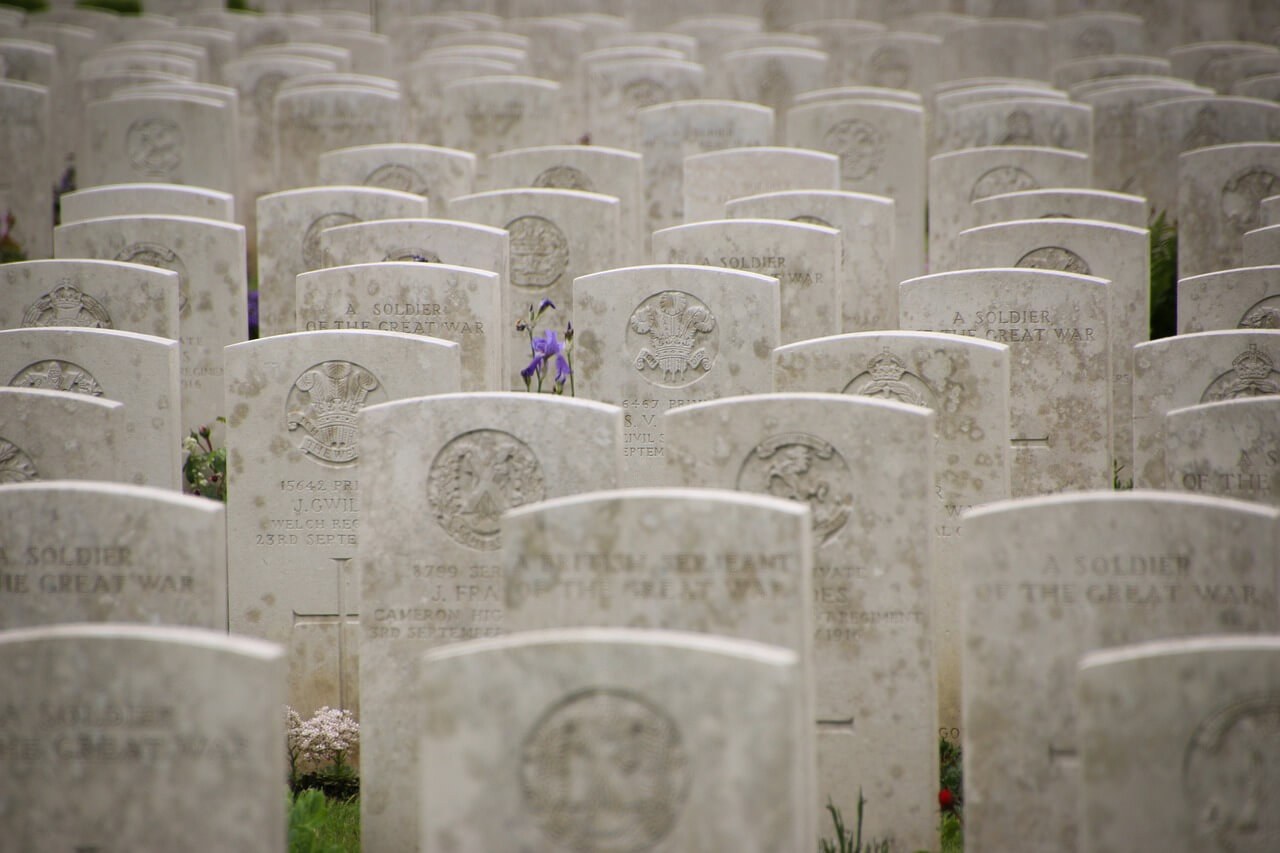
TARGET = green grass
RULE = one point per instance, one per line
(318, 824)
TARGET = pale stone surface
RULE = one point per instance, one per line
(1043, 122)
(773, 76)
(423, 80)
(897, 60)
(1229, 448)
(28, 61)
(805, 258)
(1175, 745)
(556, 235)
(89, 294)
(960, 177)
(1219, 193)
(212, 296)
(139, 371)
(614, 91)
(98, 552)
(1199, 61)
(52, 435)
(1241, 298)
(671, 132)
(1092, 35)
(1069, 73)
(310, 120)
(857, 93)
(437, 174)
(147, 198)
(881, 149)
(716, 177)
(1261, 246)
(142, 738)
(834, 34)
(296, 501)
(1189, 369)
(717, 742)
(289, 228)
(1117, 253)
(591, 168)
(868, 287)
(1080, 203)
(966, 384)
(435, 483)
(1269, 210)
(997, 46)
(1056, 324)
(25, 141)
(1039, 594)
(451, 303)
(869, 510)
(652, 338)
(485, 115)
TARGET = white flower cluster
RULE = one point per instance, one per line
(324, 737)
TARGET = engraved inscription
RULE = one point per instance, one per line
(15, 466)
(1015, 325)
(312, 258)
(645, 92)
(539, 251)
(1000, 180)
(56, 375)
(486, 121)
(1054, 258)
(891, 68)
(475, 478)
(860, 146)
(1243, 194)
(674, 337)
(397, 176)
(155, 255)
(408, 253)
(1264, 314)
(804, 468)
(322, 407)
(1228, 777)
(605, 771)
(886, 376)
(1018, 129)
(67, 305)
(154, 146)
(1252, 374)
(564, 177)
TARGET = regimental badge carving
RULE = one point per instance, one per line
(67, 305)
(56, 375)
(887, 377)
(1019, 129)
(675, 338)
(812, 220)
(406, 253)
(1242, 195)
(860, 146)
(1095, 41)
(1229, 771)
(475, 478)
(564, 178)
(1054, 258)
(539, 251)
(322, 406)
(645, 92)
(15, 466)
(804, 468)
(155, 255)
(1264, 314)
(891, 68)
(312, 257)
(1252, 374)
(397, 176)
(1000, 180)
(154, 146)
(1203, 131)
(605, 771)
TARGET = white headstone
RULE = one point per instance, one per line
(87, 294)
(716, 177)
(437, 174)
(53, 435)
(1219, 193)
(1229, 448)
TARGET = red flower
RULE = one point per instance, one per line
(946, 799)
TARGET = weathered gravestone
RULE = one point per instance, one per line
(996, 46)
(1187, 370)
(865, 470)
(896, 60)
(141, 738)
(868, 287)
(615, 90)
(147, 198)
(653, 338)
(53, 435)
(289, 228)
(1243, 298)
(677, 741)
(1094, 35)
(212, 291)
(88, 294)
(966, 383)
(1056, 325)
(773, 75)
(1086, 70)
(1261, 246)
(1178, 740)
(1049, 579)
(97, 552)
(430, 569)
(423, 80)
(309, 120)
(804, 257)
(1044, 122)
(25, 144)
(485, 115)
(1229, 448)
(716, 177)
(445, 302)
(139, 371)
(1101, 205)
(296, 496)
(437, 174)
(556, 235)
(1219, 192)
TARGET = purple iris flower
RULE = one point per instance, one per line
(543, 349)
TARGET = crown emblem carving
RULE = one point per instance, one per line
(334, 391)
(673, 325)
